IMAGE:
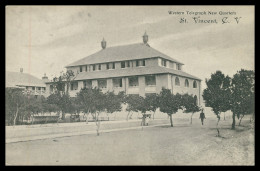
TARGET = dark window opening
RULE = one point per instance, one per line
(122, 64)
(117, 82)
(128, 64)
(137, 63)
(107, 65)
(194, 84)
(186, 83)
(177, 81)
(33, 88)
(99, 66)
(94, 67)
(150, 80)
(86, 68)
(113, 65)
(102, 84)
(80, 69)
(133, 81)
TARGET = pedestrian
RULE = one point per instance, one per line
(202, 116)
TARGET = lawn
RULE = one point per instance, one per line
(183, 144)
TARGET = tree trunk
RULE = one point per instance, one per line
(62, 115)
(171, 120)
(16, 114)
(224, 116)
(234, 121)
(191, 118)
(97, 123)
(241, 119)
(153, 115)
(217, 127)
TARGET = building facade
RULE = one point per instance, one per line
(30, 84)
(135, 69)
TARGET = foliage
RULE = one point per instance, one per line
(217, 94)
(113, 102)
(15, 100)
(152, 102)
(62, 101)
(169, 103)
(243, 94)
(189, 105)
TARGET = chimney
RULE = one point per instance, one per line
(145, 38)
(45, 78)
(103, 44)
(21, 70)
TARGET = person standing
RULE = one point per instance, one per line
(202, 116)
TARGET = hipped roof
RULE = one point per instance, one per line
(14, 79)
(122, 53)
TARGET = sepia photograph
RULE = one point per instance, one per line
(129, 85)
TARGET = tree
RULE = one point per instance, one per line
(152, 102)
(62, 101)
(189, 105)
(217, 94)
(15, 100)
(92, 101)
(169, 103)
(132, 104)
(113, 102)
(243, 94)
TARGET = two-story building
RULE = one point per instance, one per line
(135, 69)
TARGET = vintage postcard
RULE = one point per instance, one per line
(130, 85)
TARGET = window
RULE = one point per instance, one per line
(80, 69)
(74, 86)
(177, 81)
(94, 67)
(87, 84)
(102, 84)
(194, 84)
(150, 80)
(117, 82)
(178, 66)
(33, 88)
(39, 88)
(113, 65)
(86, 68)
(122, 64)
(99, 66)
(127, 63)
(186, 83)
(43, 88)
(163, 62)
(107, 65)
(133, 81)
(137, 63)
(140, 63)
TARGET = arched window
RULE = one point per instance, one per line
(194, 84)
(177, 81)
(196, 100)
(186, 83)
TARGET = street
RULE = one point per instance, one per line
(183, 144)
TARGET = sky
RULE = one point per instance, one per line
(44, 39)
